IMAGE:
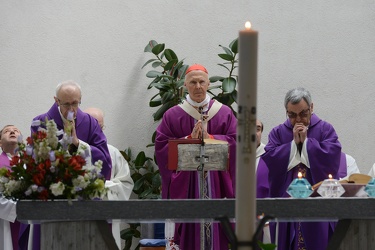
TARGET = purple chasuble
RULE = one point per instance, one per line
(325, 158)
(176, 124)
(89, 131)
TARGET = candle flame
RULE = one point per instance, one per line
(248, 25)
(299, 175)
(330, 176)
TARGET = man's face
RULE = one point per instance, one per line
(68, 99)
(259, 132)
(197, 83)
(299, 113)
(9, 135)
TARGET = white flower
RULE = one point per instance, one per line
(80, 182)
(57, 188)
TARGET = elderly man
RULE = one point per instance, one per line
(9, 228)
(85, 130)
(303, 143)
(120, 185)
(183, 121)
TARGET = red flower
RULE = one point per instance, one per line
(15, 159)
(30, 140)
(43, 195)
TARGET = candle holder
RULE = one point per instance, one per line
(370, 188)
(300, 188)
(331, 188)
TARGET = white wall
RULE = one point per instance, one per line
(325, 46)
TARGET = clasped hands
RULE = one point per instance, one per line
(299, 133)
(197, 131)
(70, 129)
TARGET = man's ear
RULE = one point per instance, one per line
(312, 108)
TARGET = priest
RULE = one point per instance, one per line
(183, 121)
(303, 143)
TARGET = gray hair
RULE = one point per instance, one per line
(68, 83)
(294, 96)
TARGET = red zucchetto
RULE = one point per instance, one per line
(196, 67)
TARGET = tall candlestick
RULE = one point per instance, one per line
(246, 136)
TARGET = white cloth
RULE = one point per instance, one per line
(203, 104)
(296, 158)
(120, 186)
(7, 214)
(351, 164)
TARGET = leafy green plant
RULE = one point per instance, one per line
(168, 79)
(227, 87)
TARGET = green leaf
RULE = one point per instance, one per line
(136, 176)
(160, 112)
(151, 44)
(138, 185)
(222, 65)
(157, 64)
(145, 193)
(226, 50)
(216, 78)
(234, 95)
(149, 61)
(170, 55)
(167, 97)
(183, 71)
(153, 74)
(234, 46)
(229, 84)
(158, 48)
(226, 57)
(140, 159)
(170, 64)
(155, 103)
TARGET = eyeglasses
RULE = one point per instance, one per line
(302, 114)
(68, 105)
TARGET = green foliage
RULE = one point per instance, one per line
(168, 78)
(228, 94)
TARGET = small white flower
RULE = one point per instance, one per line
(57, 188)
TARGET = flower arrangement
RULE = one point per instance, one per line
(44, 169)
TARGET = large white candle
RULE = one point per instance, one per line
(246, 136)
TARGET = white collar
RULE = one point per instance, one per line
(203, 104)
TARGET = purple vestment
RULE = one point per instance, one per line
(178, 124)
(87, 130)
(4, 160)
(324, 152)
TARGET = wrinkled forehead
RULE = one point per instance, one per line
(196, 75)
(8, 128)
